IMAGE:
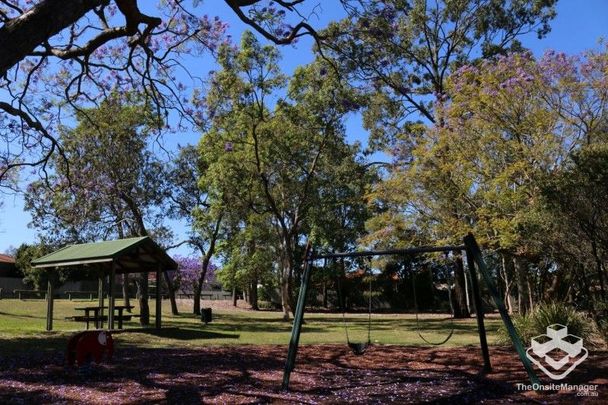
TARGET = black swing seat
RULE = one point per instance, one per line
(358, 348)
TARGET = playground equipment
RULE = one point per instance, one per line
(90, 346)
(361, 347)
(418, 327)
(474, 259)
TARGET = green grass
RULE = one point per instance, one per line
(22, 325)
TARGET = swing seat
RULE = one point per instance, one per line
(358, 348)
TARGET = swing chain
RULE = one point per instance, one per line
(451, 308)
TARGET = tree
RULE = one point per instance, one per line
(75, 52)
(525, 118)
(116, 182)
(249, 252)
(38, 278)
(189, 273)
(509, 125)
(190, 202)
(402, 52)
(577, 197)
(269, 161)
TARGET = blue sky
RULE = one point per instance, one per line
(578, 27)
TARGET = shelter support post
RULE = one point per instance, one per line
(99, 323)
(297, 320)
(158, 299)
(473, 249)
(111, 297)
(483, 341)
(49, 306)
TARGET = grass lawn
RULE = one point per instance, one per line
(22, 324)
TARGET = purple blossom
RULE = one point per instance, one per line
(189, 269)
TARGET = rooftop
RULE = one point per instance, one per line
(6, 259)
(129, 255)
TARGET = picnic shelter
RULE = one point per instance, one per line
(108, 258)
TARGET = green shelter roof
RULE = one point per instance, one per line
(130, 255)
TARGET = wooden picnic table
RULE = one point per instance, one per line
(96, 310)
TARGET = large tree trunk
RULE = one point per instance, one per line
(287, 264)
(125, 291)
(530, 294)
(196, 307)
(599, 267)
(196, 297)
(505, 276)
(523, 301)
(285, 299)
(171, 292)
(253, 295)
(460, 295)
(553, 290)
(142, 298)
(286, 273)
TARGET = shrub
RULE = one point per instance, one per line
(603, 329)
(535, 323)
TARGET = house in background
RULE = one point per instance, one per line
(9, 275)
(11, 280)
(7, 267)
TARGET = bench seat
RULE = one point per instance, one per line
(83, 318)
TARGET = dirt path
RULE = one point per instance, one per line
(252, 374)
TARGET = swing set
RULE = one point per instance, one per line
(474, 259)
(359, 348)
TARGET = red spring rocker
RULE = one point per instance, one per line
(90, 346)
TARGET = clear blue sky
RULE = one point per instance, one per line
(577, 27)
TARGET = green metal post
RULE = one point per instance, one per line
(483, 341)
(471, 245)
(297, 320)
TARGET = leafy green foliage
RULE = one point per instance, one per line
(535, 323)
(114, 187)
(38, 278)
(272, 159)
(403, 51)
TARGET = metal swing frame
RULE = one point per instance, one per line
(474, 259)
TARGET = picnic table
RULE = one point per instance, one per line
(98, 318)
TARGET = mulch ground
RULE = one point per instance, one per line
(253, 374)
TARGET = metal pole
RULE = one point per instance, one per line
(410, 251)
(481, 328)
(475, 252)
(297, 320)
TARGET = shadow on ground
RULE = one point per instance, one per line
(245, 374)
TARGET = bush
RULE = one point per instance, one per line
(603, 329)
(267, 305)
(535, 323)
